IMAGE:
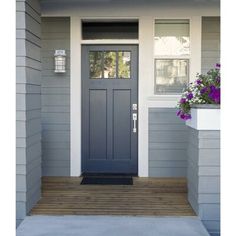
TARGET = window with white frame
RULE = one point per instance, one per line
(172, 53)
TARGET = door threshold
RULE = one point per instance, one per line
(108, 174)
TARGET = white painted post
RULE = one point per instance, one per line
(145, 75)
(75, 97)
(196, 47)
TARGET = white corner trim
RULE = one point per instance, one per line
(195, 47)
(204, 119)
(75, 98)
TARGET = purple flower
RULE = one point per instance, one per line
(212, 88)
(185, 116)
(203, 90)
(215, 94)
(188, 116)
(178, 113)
(182, 100)
(198, 81)
(190, 96)
(218, 65)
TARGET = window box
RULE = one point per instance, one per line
(205, 117)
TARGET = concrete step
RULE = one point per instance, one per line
(110, 226)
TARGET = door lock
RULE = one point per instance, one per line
(134, 107)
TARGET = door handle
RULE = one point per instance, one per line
(135, 117)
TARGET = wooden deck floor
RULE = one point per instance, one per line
(147, 197)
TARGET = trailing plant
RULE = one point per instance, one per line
(204, 90)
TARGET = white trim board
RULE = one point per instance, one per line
(110, 41)
(75, 97)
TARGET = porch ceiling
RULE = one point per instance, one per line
(137, 7)
(97, 1)
(162, 2)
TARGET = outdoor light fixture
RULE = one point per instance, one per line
(60, 61)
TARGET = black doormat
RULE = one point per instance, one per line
(108, 180)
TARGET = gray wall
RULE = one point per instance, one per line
(167, 143)
(55, 99)
(204, 177)
(210, 42)
(28, 106)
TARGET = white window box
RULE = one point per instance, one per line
(205, 117)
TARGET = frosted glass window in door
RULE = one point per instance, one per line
(124, 60)
(172, 38)
(95, 62)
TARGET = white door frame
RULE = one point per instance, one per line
(75, 102)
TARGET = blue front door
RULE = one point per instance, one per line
(109, 109)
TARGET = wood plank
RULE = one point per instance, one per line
(147, 197)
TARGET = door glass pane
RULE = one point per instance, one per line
(95, 62)
(171, 76)
(124, 59)
(109, 65)
(172, 37)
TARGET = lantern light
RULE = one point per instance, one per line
(60, 61)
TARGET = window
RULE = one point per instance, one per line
(171, 75)
(124, 58)
(110, 64)
(109, 30)
(172, 52)
(95, 62)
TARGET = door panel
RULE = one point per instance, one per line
(97, 124)
(109, 88)
(122, 124)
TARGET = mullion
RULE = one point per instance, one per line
(103, 64)
(117, 65)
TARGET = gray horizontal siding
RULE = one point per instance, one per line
(28, 128)
(210, 42)
(55, 98)
(167, 144)
(28, 106)
(32, 76)
(204, 177)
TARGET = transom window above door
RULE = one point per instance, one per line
(110, 64)
(112, 29)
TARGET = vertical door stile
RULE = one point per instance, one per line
(109, 123)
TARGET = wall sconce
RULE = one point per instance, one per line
(60, 61)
